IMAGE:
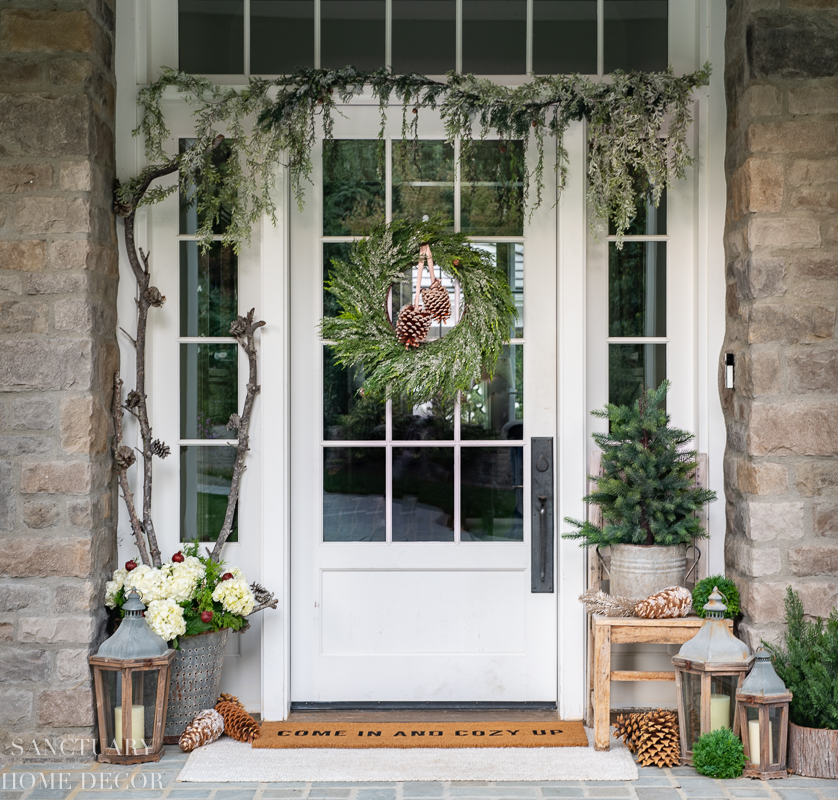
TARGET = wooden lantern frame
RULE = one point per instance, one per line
(707, 671)
(127, 668)
(763, 703)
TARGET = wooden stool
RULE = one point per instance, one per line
(625, 630)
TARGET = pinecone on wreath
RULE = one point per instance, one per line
(436, 301)
(413, 325)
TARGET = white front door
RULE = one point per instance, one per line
(410, 526)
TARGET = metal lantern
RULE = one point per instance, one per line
(763, 702)
(131, 679)
(709, 669)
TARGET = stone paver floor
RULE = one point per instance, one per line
(43, 781)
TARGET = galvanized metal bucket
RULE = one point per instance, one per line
(639, 570)
(195, 681)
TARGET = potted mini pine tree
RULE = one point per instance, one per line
(648, 496)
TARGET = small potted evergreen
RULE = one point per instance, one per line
(808, 665)
(648, 496)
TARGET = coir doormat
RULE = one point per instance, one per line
(433, 734)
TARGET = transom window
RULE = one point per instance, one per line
(450, 470)
(496, 37)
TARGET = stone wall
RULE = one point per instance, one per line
(781, 241)
(58, 281)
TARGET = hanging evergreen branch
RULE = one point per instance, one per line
(637, 126)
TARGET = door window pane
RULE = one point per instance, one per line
(190, 218)
(208, 390)
(352, 32)
(423, 180)
(281, 36)
(208, 289)
(354, 489)
(353, 191)
(432, 24)
(494, 409)
(495, 37)
(347, 413)
(648, 221)
(431, 420)
(205, 477)
(564, 37)
(636, 35)
(423, 494)
(339, 251)
(492, 494)
(637, 289)
(633, 368)
(492, 198)
(509, 256)
(211, 36)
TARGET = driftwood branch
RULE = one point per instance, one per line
(244, 329)
(123, 461)
(148, 296)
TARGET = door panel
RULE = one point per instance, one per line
(410, 528)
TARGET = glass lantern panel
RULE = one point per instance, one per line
(111, 699)
(722, 701)
(691, 695)
(752, 714)
(144, 702)
(775, 720)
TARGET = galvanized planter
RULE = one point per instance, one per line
(195, 681)
(639, 570)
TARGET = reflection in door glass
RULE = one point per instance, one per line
(205, 477)
(208, 296)
(208, 390)
(494, 409)
(339, 251)
(648, 220)
(423, 180)
(426, 421)
(431, 22)
(288, 21)
(348, 414)
(423, 494)
(492, 494)
(632, 368)
(211, 205)
(509, 256)
(211, 36)
(354, 494)
(353, 193)
(492, 199)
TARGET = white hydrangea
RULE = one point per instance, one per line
(150, 582)
(165, 618)
(183, 578)
(235, 596)
(237, 573)
(112, 587)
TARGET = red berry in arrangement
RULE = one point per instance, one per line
(177, 558)
(130, 564)
(206, 616)
(455, 262)
(227, 576)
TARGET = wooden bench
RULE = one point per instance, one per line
(630, 630)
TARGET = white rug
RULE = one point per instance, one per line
(228, 761)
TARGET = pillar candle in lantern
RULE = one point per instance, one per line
(753, 741)
(137, 725)
(719, 711)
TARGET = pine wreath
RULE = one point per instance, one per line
(364, 335)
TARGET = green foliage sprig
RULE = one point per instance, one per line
(719, 754)
(363, 334)
(704, 588)
(808, 665)
(646, 489)
(637, 125)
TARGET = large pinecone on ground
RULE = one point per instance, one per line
(652, 736)
(238, 724)
(413, 326)
(207, 726)
(436, 301)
